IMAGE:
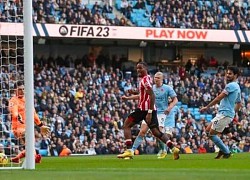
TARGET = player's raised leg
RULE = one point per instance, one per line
(129, 122)
(164, 138)
(218, 123)
(140, 136)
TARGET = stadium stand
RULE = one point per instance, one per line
(91, 123)
(198, 14)
(83, 107)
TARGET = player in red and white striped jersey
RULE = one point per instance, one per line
(144, 98)
(146, 111)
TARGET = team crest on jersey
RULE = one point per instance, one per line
(11, 104)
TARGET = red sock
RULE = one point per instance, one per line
(21, 155)
(170, 144)
(128, 143)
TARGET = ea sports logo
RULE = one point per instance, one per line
(63, 30)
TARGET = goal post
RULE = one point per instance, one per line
(29, 84)
(16, 64)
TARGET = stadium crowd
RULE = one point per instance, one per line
(80, 100)
(193, 14)
(197, 14)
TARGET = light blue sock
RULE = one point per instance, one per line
(161, 145)
(165, 148)
(218, 142)
(137, 142)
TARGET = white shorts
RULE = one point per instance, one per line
(161, 119)
(219, 122)
(144, 122)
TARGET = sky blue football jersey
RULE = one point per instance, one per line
(170, 119)
(161, 96)
(227, 104)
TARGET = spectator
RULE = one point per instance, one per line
(195, 149)
(188, 150)
(124, 6)
(246, 147)
(151, 149)
(140, 4)
(107, 8)
(44, 143)
(65, 151)
(212, 16)
(213, 62)
(202, 149)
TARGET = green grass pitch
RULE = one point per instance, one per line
(142, 167)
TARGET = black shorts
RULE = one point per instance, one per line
(138, 115)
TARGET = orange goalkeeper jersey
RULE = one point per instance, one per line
(17, 110)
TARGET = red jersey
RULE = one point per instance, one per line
(144, 85)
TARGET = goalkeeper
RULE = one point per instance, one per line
(18, 118)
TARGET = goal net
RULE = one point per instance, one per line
(12, 69)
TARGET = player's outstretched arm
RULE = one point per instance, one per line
(215, 101)
(132, 97)
(133, 91)
(45, 130)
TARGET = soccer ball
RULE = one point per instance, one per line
(3, 159)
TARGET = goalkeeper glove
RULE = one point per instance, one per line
(45, 130)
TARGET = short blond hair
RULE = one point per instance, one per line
(159, 74)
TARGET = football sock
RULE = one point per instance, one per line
(21, 155)
(219, 143)
(128, 143)
(170, 144)
(162, 146)
(137, 142)
(166, 148)
(37, 151)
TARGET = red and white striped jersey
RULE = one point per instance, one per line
(144, 85)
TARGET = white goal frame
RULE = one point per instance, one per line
(29, 162)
